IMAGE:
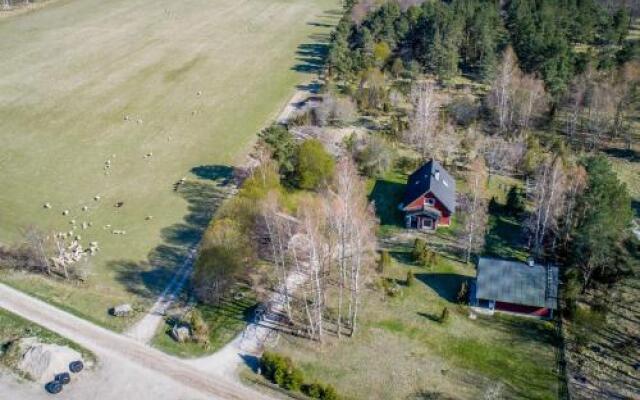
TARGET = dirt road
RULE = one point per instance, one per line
(143, 367)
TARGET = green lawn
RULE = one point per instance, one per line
(225, 322)
(403, 351)
(86, 82)
(13, 327)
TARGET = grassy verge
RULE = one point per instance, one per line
(225, 322)
(13, 327)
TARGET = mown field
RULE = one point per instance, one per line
(159, 90)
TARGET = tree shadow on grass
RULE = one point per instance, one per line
(148, 279)
(445, 285)
(386, 196)
(504, 237)
(311, 56)
(625, 154)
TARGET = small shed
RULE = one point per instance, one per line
(512, 286)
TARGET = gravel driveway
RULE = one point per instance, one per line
(127, 369)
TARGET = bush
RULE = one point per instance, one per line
(423, 255)
(320, 391)
(280, 370)
(376, 158)
(444, 316)
(199, 328)
(282, 146)
(385, 261)
(314, 166)
(411, 278)
(463, 111)
(463, 293)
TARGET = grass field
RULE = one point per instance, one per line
(190, 82)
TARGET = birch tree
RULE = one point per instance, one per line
(423, 119)
(548, 199)
(474, 208)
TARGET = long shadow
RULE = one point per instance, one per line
(629, 155)
(149, 278)
(311, 56)
(445, 285)
(386, 196)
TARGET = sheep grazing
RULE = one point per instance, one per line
(72, 222)
(108, 226)
(149, 217)
(85, 225)
(126, 117)
(47, 205)
(139, 122)
(96, 198)
(78, 237)
(65, 212)
(119, 204)
(150, 154)
(85, 208)
(199, 93)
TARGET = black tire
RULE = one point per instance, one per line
(63, 378)
(76, 366)
(53, 387)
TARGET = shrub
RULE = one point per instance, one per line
(282, 146)
(320, 391)
(463, 110)
(444, 316)
(314, 166)
(423, 255)
(280, 370)
(411, 279)
(199, 328)
(385, 261)
(463, 293)
(376, 158)
(407, 164)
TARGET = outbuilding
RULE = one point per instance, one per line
(527, 288)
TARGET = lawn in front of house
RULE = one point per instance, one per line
(403, 350)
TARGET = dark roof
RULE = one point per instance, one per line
(517, 282)
(432, 177)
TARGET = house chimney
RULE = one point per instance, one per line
(437, 174)
(531, 261)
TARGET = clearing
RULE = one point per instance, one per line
(121, 100)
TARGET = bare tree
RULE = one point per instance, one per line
(501, 94)
(548, 201)
(503, 156)
(423, 119)
(474, 208)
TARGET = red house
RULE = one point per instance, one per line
(430, 197)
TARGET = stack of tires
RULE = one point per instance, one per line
(63, 378)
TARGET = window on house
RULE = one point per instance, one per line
(431, 202)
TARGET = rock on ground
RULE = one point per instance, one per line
(41, 361)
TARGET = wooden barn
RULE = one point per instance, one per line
(516, 287)
(430, 198)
